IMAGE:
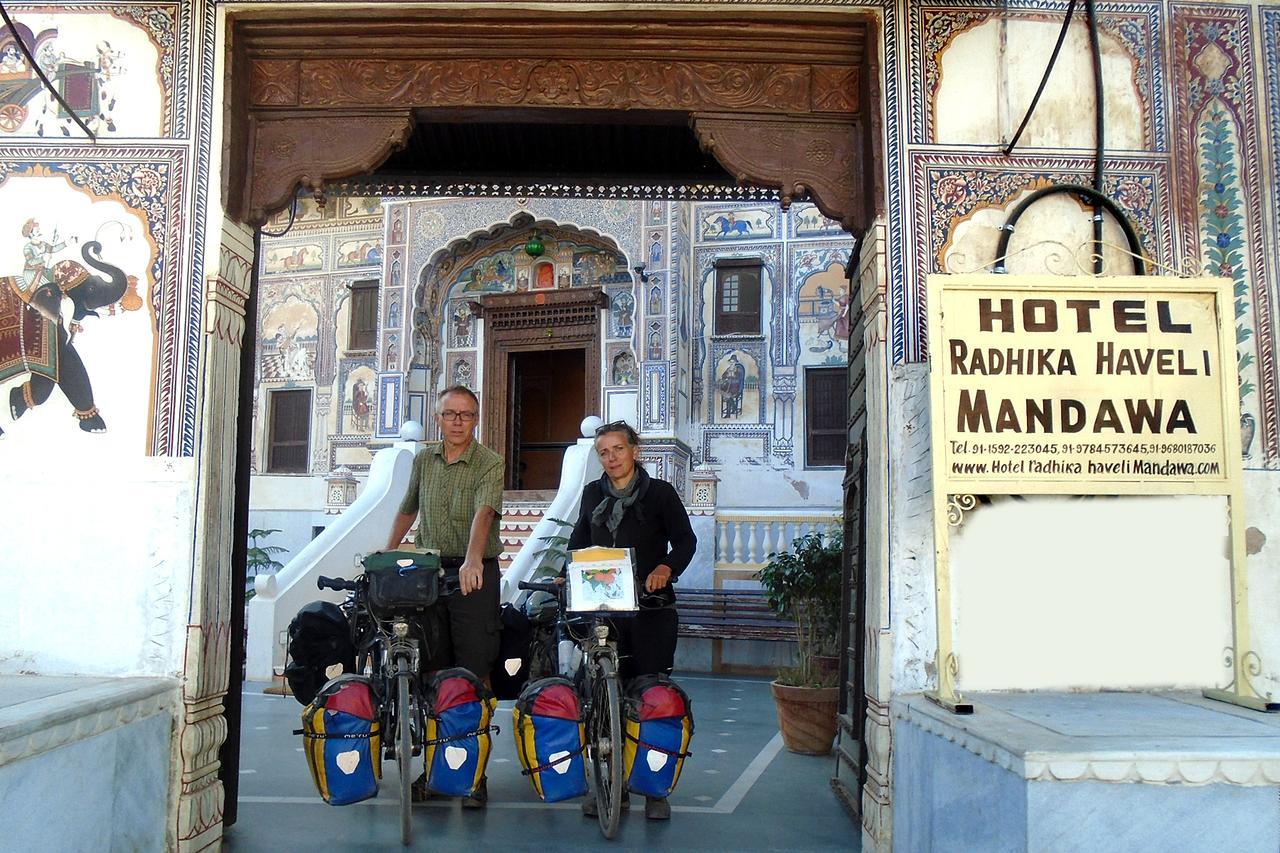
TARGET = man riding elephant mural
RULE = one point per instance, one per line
(36, 338)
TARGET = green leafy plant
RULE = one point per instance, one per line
(551, 558)
(804, 584)
(262, 556)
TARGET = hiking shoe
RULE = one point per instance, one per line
(657, 808)
(420, 793)
(589, 804)
(480, 798)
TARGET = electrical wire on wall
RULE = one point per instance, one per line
(1096, 197)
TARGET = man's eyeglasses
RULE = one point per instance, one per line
(451, 415)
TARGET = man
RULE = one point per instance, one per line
(455, 495)
(39, 287)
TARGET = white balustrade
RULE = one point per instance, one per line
(745, 539)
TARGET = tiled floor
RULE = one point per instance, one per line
(740, 790)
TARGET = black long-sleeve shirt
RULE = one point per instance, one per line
(664, 537)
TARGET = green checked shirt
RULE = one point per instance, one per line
(447, 495)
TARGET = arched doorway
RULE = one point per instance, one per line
(783, 99)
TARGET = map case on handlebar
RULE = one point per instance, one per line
(404, 579)
(601, 580)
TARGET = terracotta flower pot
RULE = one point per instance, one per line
(806, 717)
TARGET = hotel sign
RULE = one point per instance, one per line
(1083, 385)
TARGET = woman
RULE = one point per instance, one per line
(626, 508)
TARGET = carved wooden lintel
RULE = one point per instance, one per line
(820, 159)
(292, 149)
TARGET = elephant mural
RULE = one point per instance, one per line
(36, 339)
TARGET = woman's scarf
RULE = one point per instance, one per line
(622, 500)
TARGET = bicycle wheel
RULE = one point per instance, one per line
(606, 745)
(404, 748)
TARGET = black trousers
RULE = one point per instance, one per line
(468, 626)
(647, 642)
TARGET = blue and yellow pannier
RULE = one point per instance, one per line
(550, 738)
(343, 740)
(658, 728)
(459, 711)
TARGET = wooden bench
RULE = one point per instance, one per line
(730, 614)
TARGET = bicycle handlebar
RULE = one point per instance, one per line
(339, 584)
(550, 587)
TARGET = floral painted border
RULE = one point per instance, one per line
(1221, 212)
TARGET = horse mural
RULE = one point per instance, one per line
(35, 337)
(729, 226)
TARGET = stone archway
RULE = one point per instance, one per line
(783, 98)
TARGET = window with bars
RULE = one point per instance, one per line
(363, 328)
(289, 433)
(826, 414)
(737, 297)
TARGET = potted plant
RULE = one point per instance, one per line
(804, 584)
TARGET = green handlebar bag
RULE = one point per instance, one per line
(402, 580)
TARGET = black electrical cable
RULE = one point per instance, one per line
(35, 66)
(1095, 48)
(1089, 194)
(293, 211)
(1044, 81)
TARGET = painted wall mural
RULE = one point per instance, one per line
(358, 384)
(737, 223)
(114, 66)
(80, 261)
(282, 260)
(290, 336)
(822, 304)
(359, 253)
(805, 220)
(622, 311)
(956, 95)
(738, 387)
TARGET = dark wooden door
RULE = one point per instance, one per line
(548, 404)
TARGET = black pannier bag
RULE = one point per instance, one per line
(319, 638)
(400, 581)
(511, 670)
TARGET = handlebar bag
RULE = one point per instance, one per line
(658, 725)
(550, 737)
(402, 580)
(342, 739)
(459, 714)
(319, 638)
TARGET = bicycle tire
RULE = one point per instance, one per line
(606, 739)
(404, 749)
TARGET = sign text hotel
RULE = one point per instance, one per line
(1092, 380)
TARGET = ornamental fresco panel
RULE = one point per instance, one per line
(821, 301)
(290, 334)
(75, 345)
(950, 190)
(955, 84)
(1222, 210)
(115, 66)
(284, 260)
(90, 355)
(728, 224)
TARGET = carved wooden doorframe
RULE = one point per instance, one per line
(535, 322)
(785, 99)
